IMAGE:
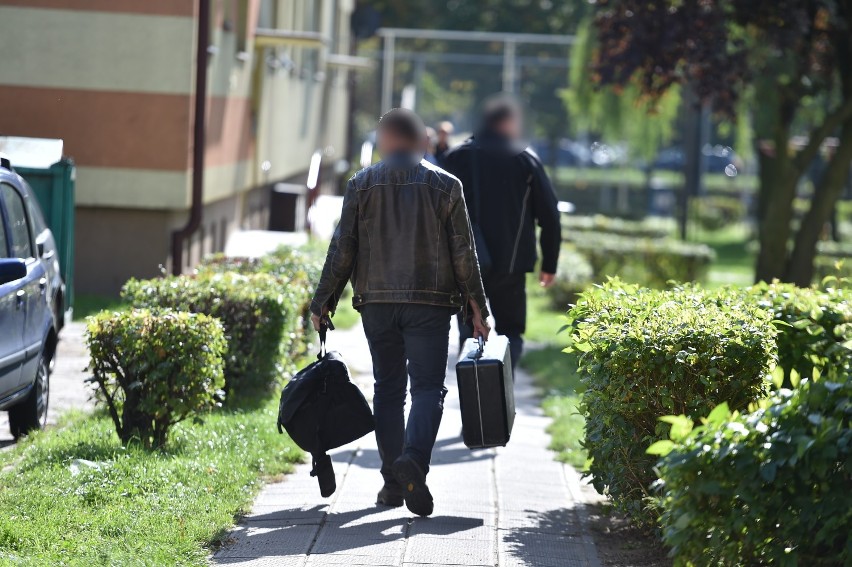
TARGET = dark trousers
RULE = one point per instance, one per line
(507, 297)
(407, 340)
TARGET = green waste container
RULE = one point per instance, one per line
(54, 189)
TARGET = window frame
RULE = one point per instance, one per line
(4, 229)
(10, 242)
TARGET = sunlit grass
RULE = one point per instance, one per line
(73, 495)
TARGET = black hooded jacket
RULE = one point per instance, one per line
(507, 191)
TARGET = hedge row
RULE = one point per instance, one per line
(645, 354)
(745, 488)
(259, 308)
(714, 212)
(650, 227)
(766, 487)
(592, 257)
(814, 328)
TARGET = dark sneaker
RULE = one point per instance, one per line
(411, 477)
(324, 471)
(390, 495)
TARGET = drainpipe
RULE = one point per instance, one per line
(198, 140)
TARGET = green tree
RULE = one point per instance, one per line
(789, 62)
(617, 112)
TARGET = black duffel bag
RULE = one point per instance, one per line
(322, 409)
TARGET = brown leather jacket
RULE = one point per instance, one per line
(404, 237)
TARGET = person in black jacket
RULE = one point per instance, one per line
(405, 242)
(507, 192)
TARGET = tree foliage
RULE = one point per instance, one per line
(788, 61)
(617, 112)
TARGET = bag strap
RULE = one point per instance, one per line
(325, 326)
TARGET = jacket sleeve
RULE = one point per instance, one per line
(463, 251)
(547, 213)
(340, 259)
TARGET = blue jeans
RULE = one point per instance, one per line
(407, 339)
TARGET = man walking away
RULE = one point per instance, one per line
(405, 241)
(507, 192)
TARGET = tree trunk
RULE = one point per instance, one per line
(800, 270)
(777, 191)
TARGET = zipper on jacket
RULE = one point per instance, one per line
(520, 227)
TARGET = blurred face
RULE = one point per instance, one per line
(443, 136)
(389, 142)
(511, 127)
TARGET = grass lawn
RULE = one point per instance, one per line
(734, 262)
(88, 304)
(555, 372)
(129, 506)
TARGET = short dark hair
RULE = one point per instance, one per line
(403, 123)
(497, 109)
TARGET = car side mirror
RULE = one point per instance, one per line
(12, 269)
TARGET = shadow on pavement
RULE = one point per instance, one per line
(535, 544)
(349, 531)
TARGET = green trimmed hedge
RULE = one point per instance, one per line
(714, 212)
(650, 227)
(647, 262)
(646, 353)
(302, 265)
(769, 487)
(263, 316)
(153, 370)
(814, 328)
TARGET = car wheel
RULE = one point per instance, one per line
(31, 413)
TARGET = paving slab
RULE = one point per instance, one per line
(508, 507)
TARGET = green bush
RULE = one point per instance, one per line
(262, 315)
(153, 370)
(650, 227)
(645, 354)
(769, 487)
(573, 276)
(814, 330)
(717, 211)
(302, 265)
(648, 262)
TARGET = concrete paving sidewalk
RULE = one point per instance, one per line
(513, 506)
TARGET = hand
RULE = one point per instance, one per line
(317, 320)
(546, 280)
(480, 326)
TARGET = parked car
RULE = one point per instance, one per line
(31, 310)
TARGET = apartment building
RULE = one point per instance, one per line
(115, 79)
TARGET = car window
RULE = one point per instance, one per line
(37, 218)
(4, 248)
(17, 217)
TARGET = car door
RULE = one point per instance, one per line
(12, 322)
(33, 289)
